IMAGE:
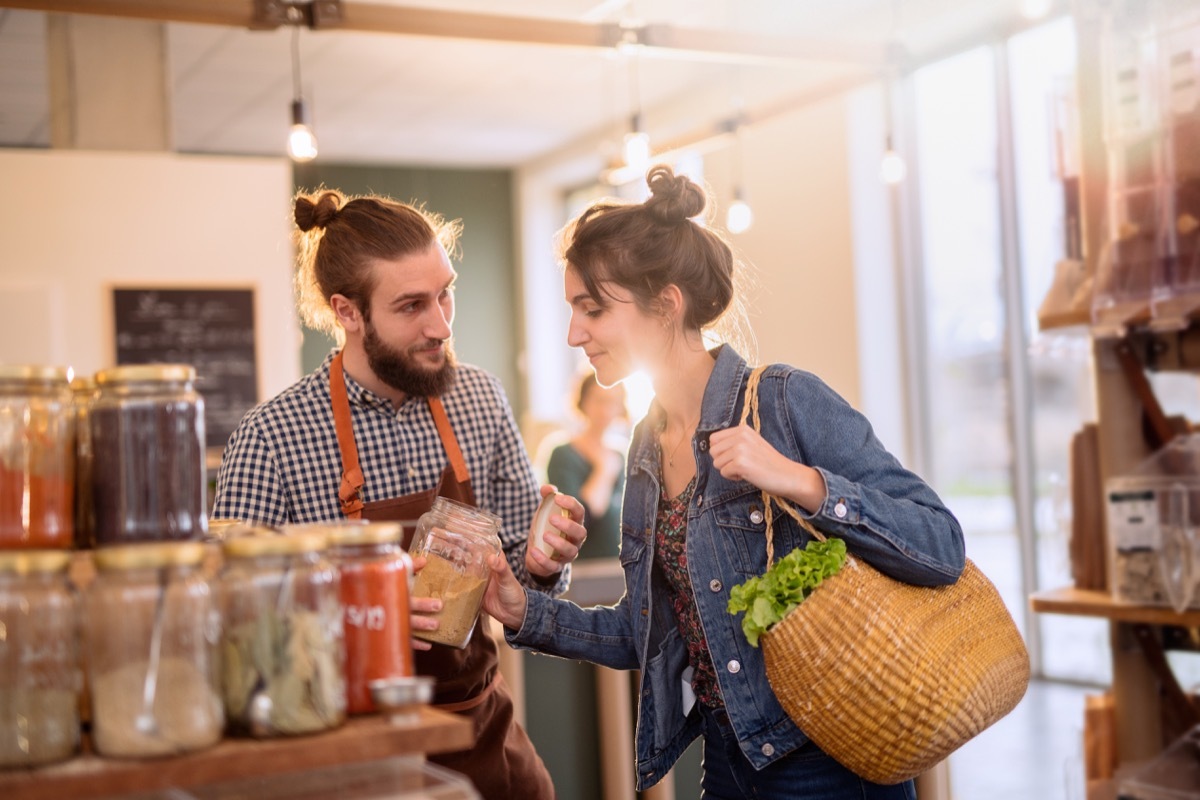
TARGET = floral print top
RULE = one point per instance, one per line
(670, 556)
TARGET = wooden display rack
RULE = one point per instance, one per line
(368, 738)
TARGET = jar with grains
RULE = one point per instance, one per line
(82, 389)
(37, 458)
(40, 676)
(375, 575)
(148, 471)
(152, 629)
(457, 540)
(283, 649)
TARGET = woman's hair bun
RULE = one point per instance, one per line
(311, 215)
(673, 198)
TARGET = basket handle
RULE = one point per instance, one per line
(750, 411)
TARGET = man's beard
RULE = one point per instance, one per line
(401, 371)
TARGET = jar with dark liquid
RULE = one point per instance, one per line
(146, 424)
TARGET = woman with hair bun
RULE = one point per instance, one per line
(649, 287)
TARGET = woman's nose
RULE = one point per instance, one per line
(575, 334)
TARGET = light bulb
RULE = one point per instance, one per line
(637, 150)
(892, 168)
(301, 142)
(739, 217)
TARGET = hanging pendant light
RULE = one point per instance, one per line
(892, 169)
(739, 216)
(301, 141)
(636, 147)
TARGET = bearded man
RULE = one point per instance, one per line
(389, 422)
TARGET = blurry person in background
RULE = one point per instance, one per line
(588, 465)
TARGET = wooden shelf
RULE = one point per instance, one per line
(361, 739)
(1088, 603)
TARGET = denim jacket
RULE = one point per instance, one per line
(886, 514)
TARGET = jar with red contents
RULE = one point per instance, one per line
(376, 575)
(37, 458)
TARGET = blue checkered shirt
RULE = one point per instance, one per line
(282, 464)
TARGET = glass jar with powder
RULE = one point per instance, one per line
(40, 677)
(283, 649)
(153, 630)
(456, 540)
(146, 424)
(37, 458)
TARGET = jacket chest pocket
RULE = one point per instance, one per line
(742, 523)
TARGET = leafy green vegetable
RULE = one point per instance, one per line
(769, 598)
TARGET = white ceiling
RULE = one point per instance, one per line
(404, 99)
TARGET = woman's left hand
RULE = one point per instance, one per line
(566, 537)
(742, 454)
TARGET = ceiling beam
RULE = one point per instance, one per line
(656, 40)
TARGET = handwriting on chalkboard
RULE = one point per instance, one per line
(211, 329)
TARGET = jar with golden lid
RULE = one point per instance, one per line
(283, 649)
(146, 423)
(456, 540)
(153, 630)
(40, 676)
(37, 458)
(376, 575)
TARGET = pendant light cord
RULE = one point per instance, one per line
(296, 94)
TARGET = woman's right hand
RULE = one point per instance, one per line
(505, 596)
(420, 609)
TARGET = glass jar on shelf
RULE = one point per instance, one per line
(283, 651)
(375, 577)
(146, 424)
(40, 676)
(152, 629)
(82, 389)
(37, 458)
(456, 540)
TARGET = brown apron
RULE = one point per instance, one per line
(502, 763)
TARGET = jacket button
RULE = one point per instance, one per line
(699, 500)
(756, 516)
(734, 666)
(645, 611)
(715, 585)
(703, 444)
(768, 749)
(840, 509)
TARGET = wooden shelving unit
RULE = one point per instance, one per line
(361, 739)
(1086, 603)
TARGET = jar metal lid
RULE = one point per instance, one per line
(220, 528)
(33, 373)
(143, 373)
(83, 383)
(154, 554)
(29, 562)
(267, 542)
(365, 533)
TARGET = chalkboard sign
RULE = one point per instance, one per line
(211, 329)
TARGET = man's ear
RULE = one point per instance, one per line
(347, 313)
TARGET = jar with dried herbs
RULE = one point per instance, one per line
(37, 458)
(40, 676)
(153, 630)
(146, 424)
(457, 540)
(375, 575)
(283, 649)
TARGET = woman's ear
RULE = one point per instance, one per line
(671, 303)
(346, 311)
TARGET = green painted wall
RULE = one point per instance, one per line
(486, 325)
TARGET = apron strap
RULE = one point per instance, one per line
(349, 492)
(352, 477)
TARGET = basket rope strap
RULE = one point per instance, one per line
(750, 411)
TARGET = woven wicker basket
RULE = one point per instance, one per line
(889, 678)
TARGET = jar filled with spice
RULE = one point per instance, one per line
(283, 651)
(146, 424)
(457, 540)
(375, 576)
(82, 389)
(152, 629)
(37, 458)
(40, 676)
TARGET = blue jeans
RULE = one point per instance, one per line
(806, 773)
